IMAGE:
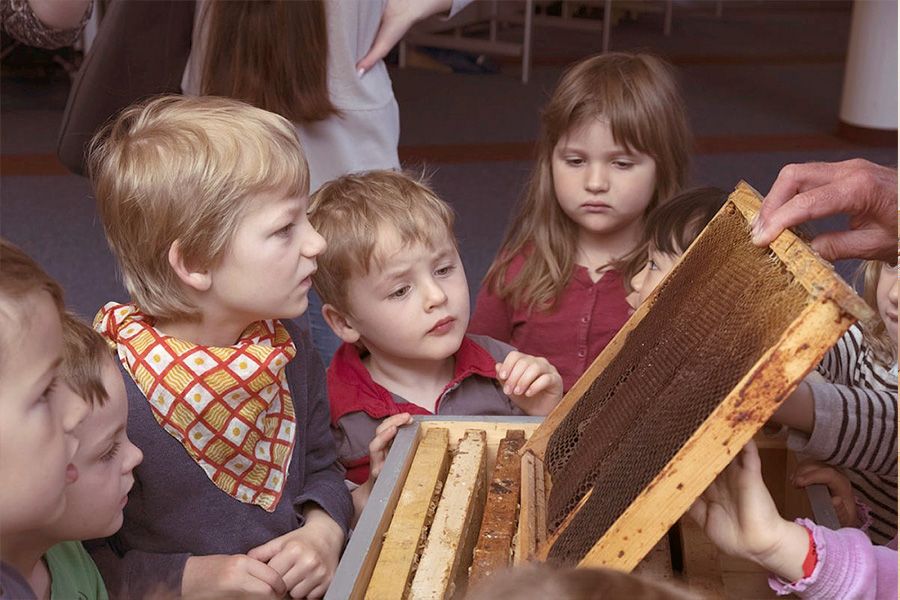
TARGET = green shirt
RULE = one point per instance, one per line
(73, 575)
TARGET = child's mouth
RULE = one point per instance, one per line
(442, 326)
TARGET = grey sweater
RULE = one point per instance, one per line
(175, 511)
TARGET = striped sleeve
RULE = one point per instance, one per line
(854, 428)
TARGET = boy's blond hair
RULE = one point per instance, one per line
(183, 168)
(352, 214)
(84, 354)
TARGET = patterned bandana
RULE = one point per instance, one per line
(230, 407)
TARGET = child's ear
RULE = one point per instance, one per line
(199, 280)
(340, 324)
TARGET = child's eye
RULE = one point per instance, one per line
(574, 161)
(652, 265)
(623, 164)
(285, 231)
(444, 271)
(111, 453)
(45, 395)
(399, 293)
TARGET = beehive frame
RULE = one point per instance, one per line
(831, 309)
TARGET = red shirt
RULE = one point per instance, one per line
(571, 334)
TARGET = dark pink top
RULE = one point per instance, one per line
(571, 334)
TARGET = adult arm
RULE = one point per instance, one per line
(140, 51)
(865, 191)
(45, 23)
(398, 17)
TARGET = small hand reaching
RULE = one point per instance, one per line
(531, 382)
(811, 472)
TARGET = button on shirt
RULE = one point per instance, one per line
(571, 334)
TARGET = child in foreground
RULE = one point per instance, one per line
(203, 201)
(614, 144)
(395, 292)
(36, 426)
(104, 460)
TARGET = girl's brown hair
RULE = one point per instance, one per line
(874, 331)
(639, 98)
(272, 54)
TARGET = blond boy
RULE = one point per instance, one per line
(204, 203)
(394, 290)
(36, 441)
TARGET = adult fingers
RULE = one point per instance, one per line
(804, 206)
(869, 243)
(799, 177)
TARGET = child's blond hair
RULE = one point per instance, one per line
(185, 168)
(353, 212)
(85, 352)
(874, 331)
(639, 98)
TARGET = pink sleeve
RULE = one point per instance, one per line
(848, 566)
(492, 316)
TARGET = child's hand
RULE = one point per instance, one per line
(378, 449)
(307, 557)
(230, 576)
(531, 382)
(739, 517)
(809, 472)
(381, 443)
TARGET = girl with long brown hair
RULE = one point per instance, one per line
(614, 144)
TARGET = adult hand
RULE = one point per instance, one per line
(738, 515)
(230, 576)
(398, 17)
(306, 558)
(865, 191)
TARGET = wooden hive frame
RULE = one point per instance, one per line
(832, 309)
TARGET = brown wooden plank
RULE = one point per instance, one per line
(746, 408)
(412, 517)
(493, 550)
(447, 555)
(526, 536)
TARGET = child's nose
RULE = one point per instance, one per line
(434, 295)
(597, 179)
(135, 457)
(313, 243)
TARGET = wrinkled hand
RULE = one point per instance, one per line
(738, 515)
(810, 472)
(398, 17)
(306, 558)
(531, 382)
(865, 191)
(230, 576)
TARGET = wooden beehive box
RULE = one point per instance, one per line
(691, 377)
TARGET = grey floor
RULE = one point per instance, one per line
(762, 85)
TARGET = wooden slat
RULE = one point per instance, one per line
(719, 438)
(409, 525)
(448, 551)
(493, 550)
(526, 535)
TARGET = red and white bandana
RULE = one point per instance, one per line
(230, 407)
